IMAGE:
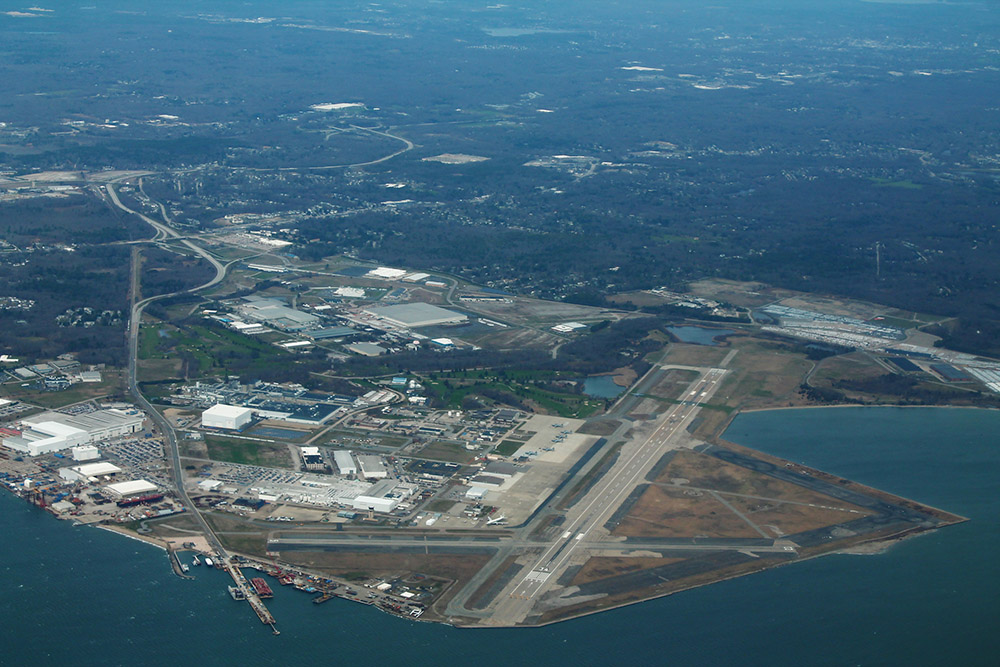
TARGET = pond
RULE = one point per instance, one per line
(699, 335)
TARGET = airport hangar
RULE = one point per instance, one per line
(417, 314)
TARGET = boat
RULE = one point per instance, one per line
(196, 561)
(236, 593)
(263, 590)
(185, 567)
(208, 562)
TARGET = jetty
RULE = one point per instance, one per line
(250, 594)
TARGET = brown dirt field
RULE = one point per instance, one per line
(737, 293)
(854, 366)
(710, 473)
(638, 298)
(150, 370)
(789, 519)
(599, 428)
(664, 512)
(764, 377)
(445, 566)
(602, 567)
(673, 383)
(683, 354)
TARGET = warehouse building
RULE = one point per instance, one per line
(88, 472)
(136, 487)
(372, 467)
(345, 462)
(228, 417)
(275, 313)
(384, 496)
(416, 315)
(54, 431)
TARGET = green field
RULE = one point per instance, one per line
(446, 451)
(248, 452)
(210, 349)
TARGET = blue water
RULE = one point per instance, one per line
(602, 386)
(81, 596)
(698, 335)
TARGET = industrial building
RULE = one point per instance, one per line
(88, 472)
(136, 487)
(372, 467)
(312, 458)
(476, 493)
(367, 349)
(228, 417)
(383, 496)
(489, 481)
(416, 315)
(275, 313)
(53, 431)
(86, 453)
(345, 462)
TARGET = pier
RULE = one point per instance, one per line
(250, 594)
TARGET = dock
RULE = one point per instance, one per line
(250, 594)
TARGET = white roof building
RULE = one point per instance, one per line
(416, 314)
(86, 453)
(345, 462)
(228, 417)
(372, 467)
(386, 273)
(136, 487)
(89, 472)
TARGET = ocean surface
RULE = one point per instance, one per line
(83, 596)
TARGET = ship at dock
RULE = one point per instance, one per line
(260, 586)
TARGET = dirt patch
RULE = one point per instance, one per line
(602, 567)
(665, 512)
(604, 427)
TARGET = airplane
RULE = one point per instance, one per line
(499, 521)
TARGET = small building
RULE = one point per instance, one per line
(227, 417)
(345, 462)
(476, 493)
(372, 467)
(209, 485)
(312, 458)
(444, 343)
(86, 453)
(90, 376)
(136, 487)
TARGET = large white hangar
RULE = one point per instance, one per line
(228, 417)
(416, 314)
(54, 431)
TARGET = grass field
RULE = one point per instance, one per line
(248, 452)
(111, 384)
(439, 450)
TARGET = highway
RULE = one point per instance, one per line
(163, 231)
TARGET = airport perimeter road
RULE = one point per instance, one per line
(515, 603)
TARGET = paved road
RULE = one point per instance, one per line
(170, 436)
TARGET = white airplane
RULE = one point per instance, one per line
(499, 521)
